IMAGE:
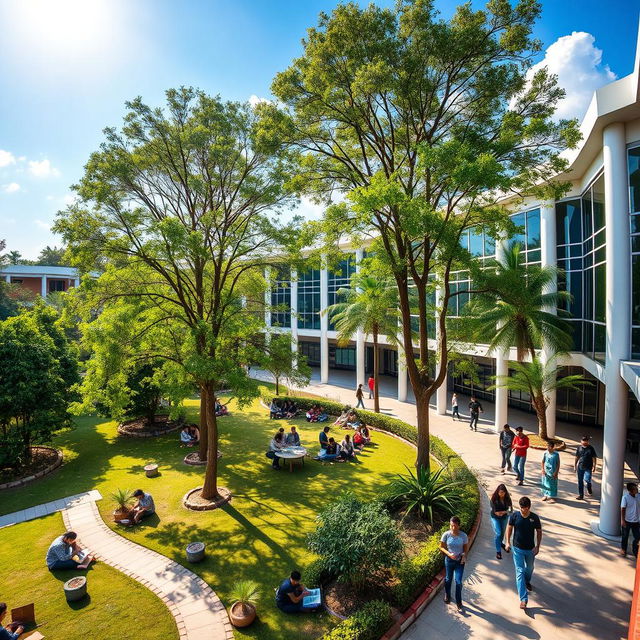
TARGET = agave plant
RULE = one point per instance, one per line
(122, 497)
(245, 592)
(426, 492)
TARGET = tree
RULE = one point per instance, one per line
(37, 371)
(14, 257)
(423, 124)
(181, 205)
(370, 305)
(539, 379)
(51, 256)
(282, 364)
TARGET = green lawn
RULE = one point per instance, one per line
(260, 535)
(113, 604)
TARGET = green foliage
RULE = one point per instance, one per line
(368, 623)
(37, 371)
(145, 393)
(122, 497)
(355, 539)
(246, 592)
(52, 257)
(279, 360)
(426, 492)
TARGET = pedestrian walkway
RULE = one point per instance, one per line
(582, 587)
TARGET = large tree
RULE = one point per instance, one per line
(190, 193)
(423, 123)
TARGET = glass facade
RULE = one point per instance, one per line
(634, 210)
(309, 299)
(311, 350)
(340, 279)
(528, 235)
(281, 297)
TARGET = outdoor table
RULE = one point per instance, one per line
(291, 454)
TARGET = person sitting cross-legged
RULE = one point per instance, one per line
(353, 422)
(63, 550)
(358, 439)
(186, 437)
(330, 452)
(290, 594)
(347, 451)
(13, 630)
(143, 508)
(221, 409)
(275, 410)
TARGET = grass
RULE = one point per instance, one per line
(113, 604)
(260, 535)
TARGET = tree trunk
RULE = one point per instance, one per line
(210, 486)
(423, 458)
(277, 385)
(541, 412)
(376, 367)
(202, 445)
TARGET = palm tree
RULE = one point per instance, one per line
(371, 305)
(538, 379)
(513, 305)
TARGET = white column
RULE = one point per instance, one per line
(324, 324)
(76, 282)
(360, 345)
(441, 391)
(501, 408)
(7, 278)
(549, 253)
(267, 299)
(294, 314)
(618, 312)
(43, 288)
(402, 376)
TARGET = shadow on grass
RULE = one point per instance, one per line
(80, 604)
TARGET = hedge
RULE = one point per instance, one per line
(416, 573)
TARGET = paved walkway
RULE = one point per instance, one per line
(582, 587)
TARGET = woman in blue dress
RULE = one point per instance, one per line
(549, 472)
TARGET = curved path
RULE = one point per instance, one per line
(582, 587)
(197, 610)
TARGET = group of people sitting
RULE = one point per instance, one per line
(316, 414)
(190, 435)
(346, 450)
(282, 441)
(348, 419)
(221, 409)
(282, 409)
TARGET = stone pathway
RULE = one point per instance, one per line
(196, 608)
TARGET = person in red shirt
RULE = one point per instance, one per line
(371, 384)
(520, 446)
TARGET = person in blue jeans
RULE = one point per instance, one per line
(454, 544)
(585, 466)
(63, 550)
(525, 528)
(291, 593)
(501, 507)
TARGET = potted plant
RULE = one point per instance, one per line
(122, 498)
(243, 611)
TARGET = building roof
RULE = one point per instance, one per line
(37, 270)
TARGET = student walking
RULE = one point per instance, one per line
(360, 396)
(505, 442)
(454, 407)
(520, 446)
(455, 545)
(501, 507)
(585, 466)
(550, 467)
(630, 519)
(371, 383)
(475, 409)
(524, 526)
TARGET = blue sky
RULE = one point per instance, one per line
(67, 67)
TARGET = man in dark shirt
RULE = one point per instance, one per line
(522, 525)
(505, 440)
(290, 594)
(585, 465)
(475, 409)
(323, 438)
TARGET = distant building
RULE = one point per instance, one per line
(39, 279)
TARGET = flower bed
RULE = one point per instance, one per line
(414, 574)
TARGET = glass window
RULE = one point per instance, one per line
(598, 204)
(476, 242)
(568, 222)
(520, 236)
(634, 179)
(309, 299)
(533, 229)
(599, 292)
(56, 285)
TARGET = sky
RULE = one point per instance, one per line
(68, 66)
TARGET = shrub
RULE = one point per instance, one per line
(425, 491)
(356, 538)
(368, 623)
(245, 592)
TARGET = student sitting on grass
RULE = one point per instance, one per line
(221, 409)
(353, 422)
(315, 414)
(63, 550)
(290, 594)
(186, 437)
(290, 409)
(143, 508)
(13, 630)
(341, 420)
(347, 451)
(358, 439)
(275, 410)
(330, 452)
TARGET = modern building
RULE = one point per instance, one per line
(41, 280)
(592, 234)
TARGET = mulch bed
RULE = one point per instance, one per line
(414, 531)
(193, 459)
(193, 499)
(41, 459)
(143, 425)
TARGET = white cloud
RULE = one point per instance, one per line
(578, 65)
(254, 100)
(12, 187)
(69, 199)
(42, 169)
(42, 225)
(6, 158)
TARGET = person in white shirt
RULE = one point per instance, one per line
(454, 407)
(630, 518)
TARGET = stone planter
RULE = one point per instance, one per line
(151, 470)
(195, 551)
(75, 589)
(238, 617)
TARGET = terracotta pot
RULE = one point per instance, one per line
(120, 514)
(238, 618)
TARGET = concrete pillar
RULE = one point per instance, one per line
(501, 409)
(43, 287)
(618, 312)
(549, 258)
(7, 278)
(402, 376)
(294, 314)
(360, 344)
(324, 324)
